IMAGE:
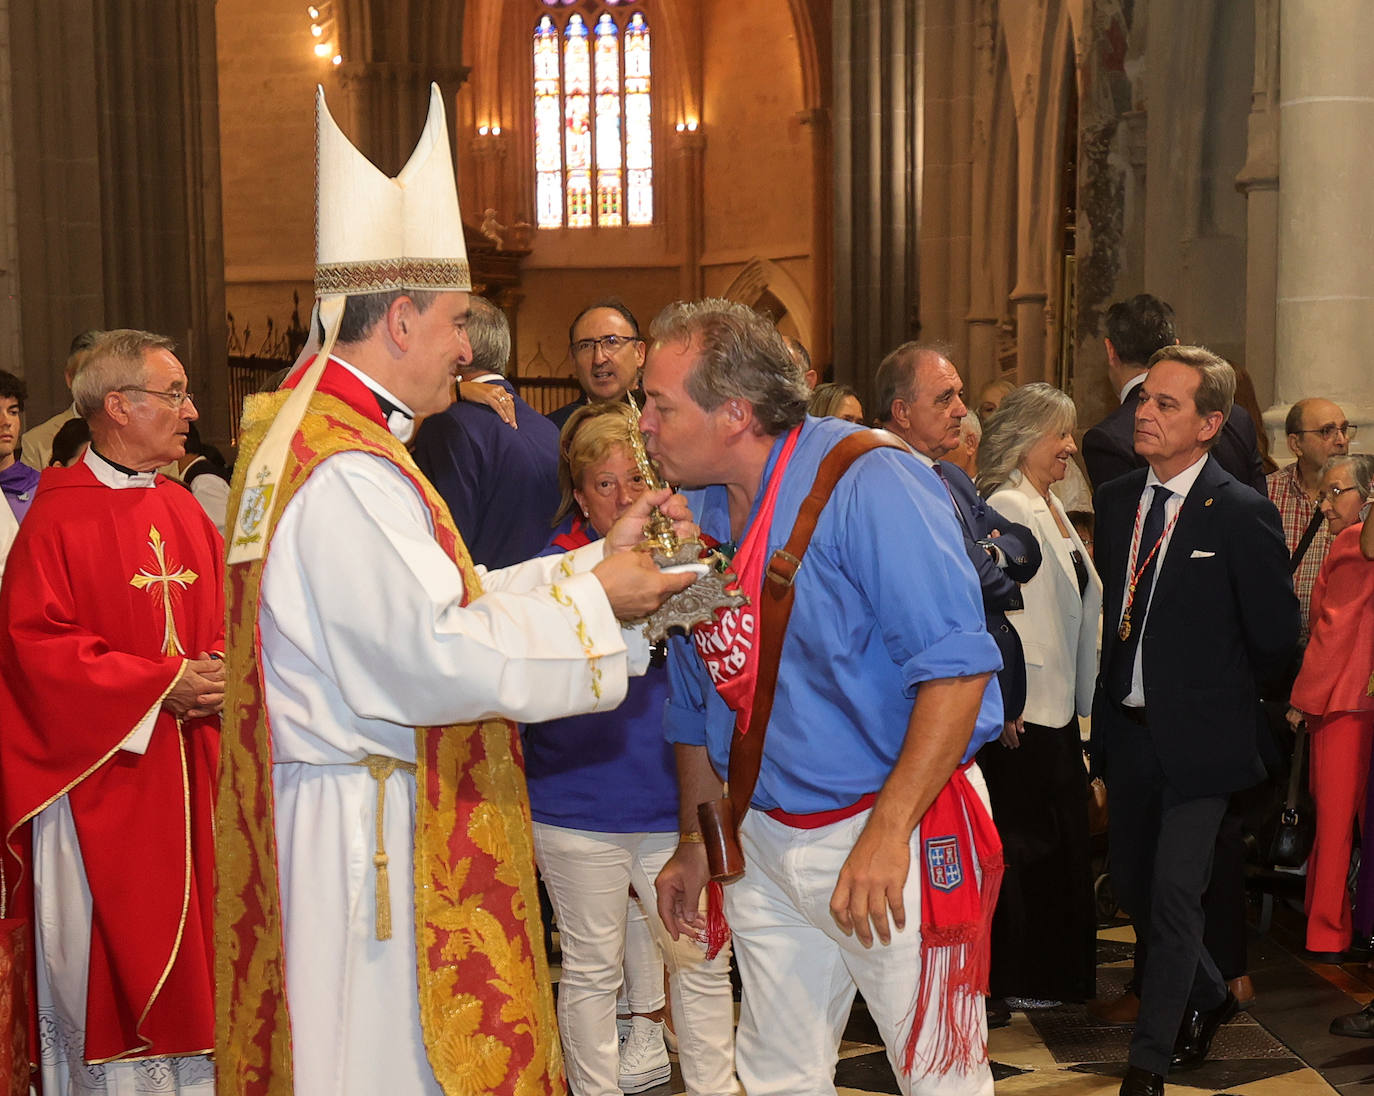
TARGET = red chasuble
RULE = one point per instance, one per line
(104, 593)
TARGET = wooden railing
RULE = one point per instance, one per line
(546, 394)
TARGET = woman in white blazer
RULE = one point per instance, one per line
(1044, 935)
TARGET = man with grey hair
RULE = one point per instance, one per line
(890, 675)
(1198, 617)
(110, 687)
(920, 400)
(501, 484)
(964, 456)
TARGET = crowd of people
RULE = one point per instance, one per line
(338, 714)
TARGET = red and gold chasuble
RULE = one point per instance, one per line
(105, 592)
(486, 1004)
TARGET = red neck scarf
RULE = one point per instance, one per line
(728, 645)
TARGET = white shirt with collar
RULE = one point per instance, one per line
(1180, 485)
(1130, 386)
(112, 476)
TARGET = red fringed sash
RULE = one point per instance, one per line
(956, 922)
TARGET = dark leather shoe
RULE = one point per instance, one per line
(1331, 958)
(1119, 1010)
(1355, 1025)
(1141, 1082)
(999, 1013)
(1197, 1032)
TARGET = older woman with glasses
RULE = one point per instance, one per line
(1044, 933)
(1331, 694)
(603, 795)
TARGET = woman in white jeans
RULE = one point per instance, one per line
(603, 794)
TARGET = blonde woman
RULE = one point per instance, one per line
(1045, 931)
(603, 795)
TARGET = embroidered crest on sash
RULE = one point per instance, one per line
(943, 863)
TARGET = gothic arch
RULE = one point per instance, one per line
(760, 277)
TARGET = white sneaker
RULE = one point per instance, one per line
(643, 1057)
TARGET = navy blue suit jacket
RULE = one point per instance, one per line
(1109, 447)
(501, 485)
(1222, 625)
(1001, 588)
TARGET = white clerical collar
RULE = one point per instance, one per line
(401, 420)
(486, 378)
(113, 476)
(1131, 385)
(1180, 484)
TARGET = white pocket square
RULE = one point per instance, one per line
(1197, 554)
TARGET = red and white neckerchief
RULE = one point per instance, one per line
(728, 645)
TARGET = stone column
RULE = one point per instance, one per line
(817, 125)
(690, 147)
(1325, 322)
(116, 170)
(388, 102)
(877, 178)
(11, 340)
(1259, 182)
(1109, 240)
(488, 155)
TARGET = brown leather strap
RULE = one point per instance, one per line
(775, 606)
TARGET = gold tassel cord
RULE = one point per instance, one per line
(380, 768)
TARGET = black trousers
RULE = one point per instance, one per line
(1223, 906)
(1162, 846)
(1044, 933)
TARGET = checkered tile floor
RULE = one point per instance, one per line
(1279, 1048)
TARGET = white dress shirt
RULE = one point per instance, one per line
(1180, 485)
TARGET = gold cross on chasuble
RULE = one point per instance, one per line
(159, 583)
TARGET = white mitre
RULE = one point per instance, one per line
(372, 235)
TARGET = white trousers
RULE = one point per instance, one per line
(588, 875)
(800, 971)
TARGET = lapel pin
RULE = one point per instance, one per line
(1207, 503)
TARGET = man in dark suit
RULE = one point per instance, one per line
(500, 483)
(1198, 615)
(1136, 328)
(607, 355)
(920, 400)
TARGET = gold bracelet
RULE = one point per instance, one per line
(693, 838)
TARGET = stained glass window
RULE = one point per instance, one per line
(593, 141)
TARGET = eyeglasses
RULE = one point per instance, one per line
(1333, 493)
(585, 348)
(1331, 429)
(175, 397)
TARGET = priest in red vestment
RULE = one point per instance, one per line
(110, 687)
